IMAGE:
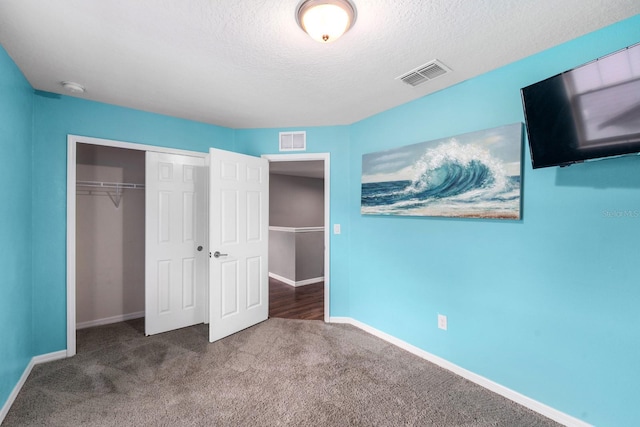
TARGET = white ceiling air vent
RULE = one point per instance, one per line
(424, 73)
(293, 141)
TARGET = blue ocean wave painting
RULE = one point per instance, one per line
(475, 175)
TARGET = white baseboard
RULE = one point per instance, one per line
(523, 400)
(49, 357)
(109, 320)
(23, 378)
(299, 282)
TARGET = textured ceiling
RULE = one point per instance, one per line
(246, 64)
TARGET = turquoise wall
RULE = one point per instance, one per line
(548, 305)
(15, 224)
(54, 117)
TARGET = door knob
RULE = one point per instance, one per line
(199, 248)
(217, 254)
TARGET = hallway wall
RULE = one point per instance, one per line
(296, 201)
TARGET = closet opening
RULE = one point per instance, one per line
(108, 216)
(110, 243)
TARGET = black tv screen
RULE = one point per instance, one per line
(589, 112)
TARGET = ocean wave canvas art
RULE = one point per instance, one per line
(473, 175)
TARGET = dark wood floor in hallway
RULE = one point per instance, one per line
(289, 302)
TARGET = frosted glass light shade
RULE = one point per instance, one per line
(326, 20)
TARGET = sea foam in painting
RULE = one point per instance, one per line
(474, 175)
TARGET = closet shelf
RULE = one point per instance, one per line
(116, 185)
(104, 187)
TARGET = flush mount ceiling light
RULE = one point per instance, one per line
(326, 20)
(73, 87)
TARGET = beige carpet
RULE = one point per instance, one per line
(278, 373)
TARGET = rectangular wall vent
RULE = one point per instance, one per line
(424, 73)
(293, 141)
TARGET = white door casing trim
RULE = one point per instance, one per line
(327, 211)
(72, 141)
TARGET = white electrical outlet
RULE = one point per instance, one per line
(442, 322)
(336, 229)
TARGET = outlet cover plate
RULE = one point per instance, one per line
(442, 322)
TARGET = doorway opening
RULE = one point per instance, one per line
(299, 255)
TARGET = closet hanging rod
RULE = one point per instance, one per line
(101, 184)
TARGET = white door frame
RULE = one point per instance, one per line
(72, 141)
(327, 210)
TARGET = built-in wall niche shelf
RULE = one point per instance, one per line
(112, 189)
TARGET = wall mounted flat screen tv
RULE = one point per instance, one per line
(589, 112)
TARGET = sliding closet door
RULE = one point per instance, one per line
(176, 254)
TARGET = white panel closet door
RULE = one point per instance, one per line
(239, 232)
(175, 238)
